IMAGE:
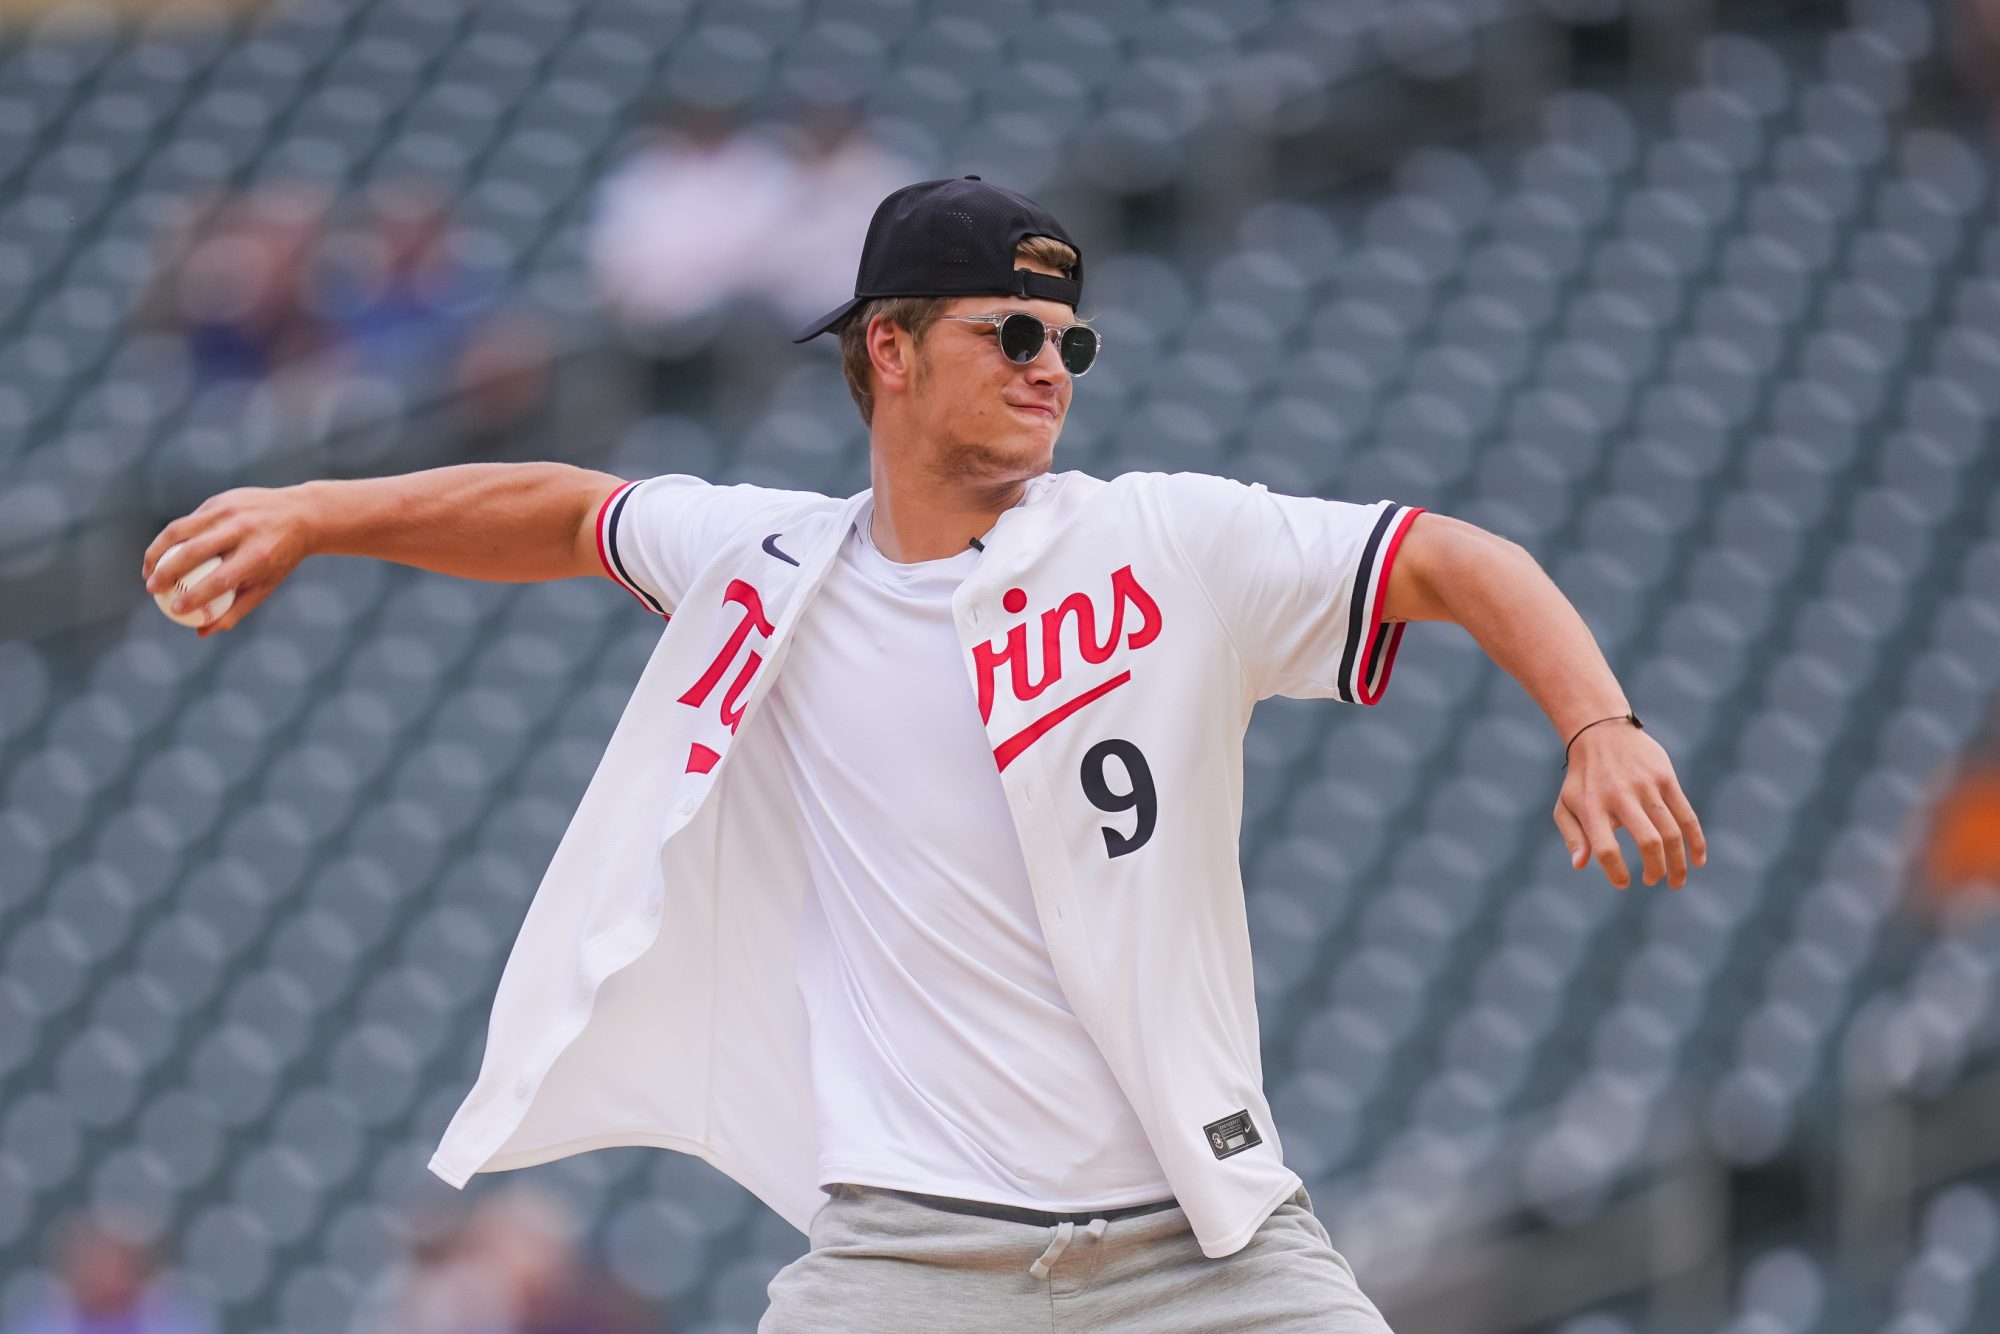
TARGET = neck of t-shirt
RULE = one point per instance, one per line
(936, 563)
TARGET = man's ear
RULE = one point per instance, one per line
(892, 353)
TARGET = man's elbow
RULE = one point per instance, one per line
(1436, 554)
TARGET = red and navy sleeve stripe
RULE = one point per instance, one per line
(607, 548)
(1371, 646)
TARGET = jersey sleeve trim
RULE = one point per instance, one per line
(607, 548)
(1365, 663)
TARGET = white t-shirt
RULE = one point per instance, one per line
(945, 1057)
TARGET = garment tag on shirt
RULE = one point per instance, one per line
(1232, 1134)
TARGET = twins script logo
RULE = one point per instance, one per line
(702, 758)
(1127, 594)
(1013, 661)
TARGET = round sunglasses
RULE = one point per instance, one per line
(1022, 337)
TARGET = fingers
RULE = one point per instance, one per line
(247, 601)
(1661, 824)
(169, 535)
(239, 570)
(198, 537)
(1573, 838)
(1684, 817)
(1661, 851)
(1602, 832)
(199, 522)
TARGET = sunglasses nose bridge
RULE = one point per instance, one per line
(1051, 352)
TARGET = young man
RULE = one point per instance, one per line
(907, 892)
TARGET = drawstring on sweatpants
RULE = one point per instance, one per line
(1064, 1231)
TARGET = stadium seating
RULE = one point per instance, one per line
(1723, 359)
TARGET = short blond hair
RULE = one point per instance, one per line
(917, 314)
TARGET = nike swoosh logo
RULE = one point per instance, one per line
(771, 546)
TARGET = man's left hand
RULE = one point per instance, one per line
(1619, 776)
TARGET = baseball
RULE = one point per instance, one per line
(198, 616)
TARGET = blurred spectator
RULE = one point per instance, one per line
(713, 232)
(840, 175)
(511, 1264)
(401, 303)
(500, 382)
(529, 1241)
(438, 1288)
(408, 310)
(1971, 53)
(690, 220)
(265, 284)
(235, 283)
(1960, 849)
(109, 1283)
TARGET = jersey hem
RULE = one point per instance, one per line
(864, 1176)
(548, 1153)
(1240, 1238)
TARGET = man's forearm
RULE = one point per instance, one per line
(511, 522)
(1507, 602)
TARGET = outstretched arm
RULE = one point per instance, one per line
(509, 522)
(1618, 775)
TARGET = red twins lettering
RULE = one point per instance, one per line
(753, 618)
(1126, 591)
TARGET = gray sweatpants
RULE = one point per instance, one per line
(882, 1264)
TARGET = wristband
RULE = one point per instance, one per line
(1631, 718)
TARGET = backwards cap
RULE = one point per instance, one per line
(954, 237)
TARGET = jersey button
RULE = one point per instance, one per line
(522, 1088)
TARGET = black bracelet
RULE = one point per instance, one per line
(1631, 718)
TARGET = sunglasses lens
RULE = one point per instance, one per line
(1079, 349)
(1021, 337)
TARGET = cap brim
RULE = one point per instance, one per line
(828, 321)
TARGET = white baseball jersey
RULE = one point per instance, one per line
(945, 1057)
(1116, 634)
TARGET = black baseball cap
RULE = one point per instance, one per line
(954, 237)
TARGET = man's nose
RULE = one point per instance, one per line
(1047, 367)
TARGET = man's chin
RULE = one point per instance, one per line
(1039, 440)
(1036, 457)
(1002, 459)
